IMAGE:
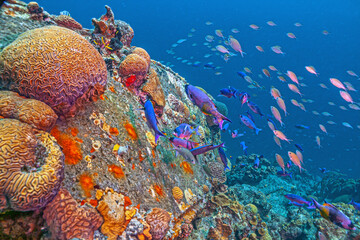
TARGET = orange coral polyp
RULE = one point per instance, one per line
(158, 190)
(116, 170)
(87, 184)
(187, 167)
(131, 130)
(70, 147)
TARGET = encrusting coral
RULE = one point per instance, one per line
(159, 220)
(54, 65)
(67, 22)
(134, 65)
(154, 89)
(67, 220)
(30, 111)
(32, 166)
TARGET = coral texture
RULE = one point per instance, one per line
(32, 166)
(178, 194)
(159, 220)
(142, 53)
(67, 220)
(135, 65)
(30, 111)
(154, 89)
(67, 22)
(54, 65)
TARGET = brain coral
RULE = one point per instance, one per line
(158, 219)
(54, 65)
(32, 166)
(30, 111)
(136, 65)
(68, 221)
(142, 53)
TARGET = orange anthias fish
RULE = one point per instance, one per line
(275, 93)
(294, 88)
(281, 78)
(337, 83)
(277, 141)
(280, 161)
(317, 139)
(322, 127)
(236, 46)
(311, 69)
(295, 159)
(346, 96)
(292, 76)
(281, 104)
(300, 156)
(295, 103)
(291, 35)
(323, 85)
(275, 112)
(281, 136)
(259, 48)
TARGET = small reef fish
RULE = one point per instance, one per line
(317, 139)
(277, 49)
(248, 114)
(300, 156)
(323, 170)
(295, 159)
(298, 146)
(311, 69)
(292, 76)
(281, 135)
(277, 141)
(280, 102)
(275, 93)
(257, 162)
(255, 108)
(253, 26)
(178, 142)
(184, 130)
(301, 126)
(236, 46)
(200, 99)
(346, 96)
(205, 148)
(295, 89)
(266, 72)
(151, 119)
(281, 173)
(291, 35)
(242, 143)
(241, 74)
(66, 13)
(228, 92)
(222, 49)
(275, 112)
(280, 161)
(187, 155)
(236, 134)
(322, 127)
(250, 124)
(337, 83)
(334, 215)
(346, 124)
(244, 97)
(271, 23)
(297, 200)
(223, 158)
(355, 204)
(259, 48)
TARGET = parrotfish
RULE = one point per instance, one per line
(255, 108)
(187, 155)
(223, 158)
(178, 142)
(355, 204)
(334, 215)
(250, 124)
(200, 99)
(184, 130)
(151, 119)
(205, 148)
(297, 200)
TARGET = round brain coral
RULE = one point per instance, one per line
(142, 53)
(159, 220)
(136, 65)
(30, 111)
(54, 65)
(32, 166)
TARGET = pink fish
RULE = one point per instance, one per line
(271, 126)
(275, 93)
(280, 161)
(222, 49)
(281, 136)
(291, 35)
(272, 68)
(266, 72)
(351, 73)
(255, 27)
(346, 96)
(302, 107)
(236, 46)
(281, 104)
(349, 86)
(277, 141)
(294, 88)
(292, 76)
(275, 112)
(299, 155)
(323, 85)
(281, 78)
(271, 23)
(322, 127)
(311, 69)
(259, 48)
(297, 24)
(317, 139)
(295, 159)
(277, 49)
(295, 103)
(325, 32)
(219, 33)
(337, 83)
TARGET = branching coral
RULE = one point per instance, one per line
(67, 220)
(32, 166)
(30, 111)
(54, 65)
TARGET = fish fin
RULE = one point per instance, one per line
(257, 130)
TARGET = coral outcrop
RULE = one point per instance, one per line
(63, 77)
(159, 220)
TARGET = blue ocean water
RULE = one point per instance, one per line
(159, 24)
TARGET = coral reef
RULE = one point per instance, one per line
(67, 22)
(30, 111)
(64, 80)
(159, 220)
(67, 220)
(32, 166)
(133, 65)
(153, 88)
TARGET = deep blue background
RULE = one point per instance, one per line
(159, 24)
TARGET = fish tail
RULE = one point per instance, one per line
(257, 130)
(220, 119)
(158, 134)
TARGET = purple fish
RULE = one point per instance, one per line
(255, 108)
(236, 134)
(281, 173)
(355, 204)
(183, 143)
(200, 99)
(205, 148)
(334, 215)
(184, 130)
(151, 119)
(228, 92)
(223, 158)
(250, 124)
(250, 116)
(256, 163)
(297, 200)
(244, 97)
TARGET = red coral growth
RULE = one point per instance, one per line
(87, 184)
(158, 190)
(130, 80)
(74, 131)
(71, 148)
(131, 130)
(116, 170)
(187, 167)
(127, 201)
(67, 22)
(72, 72)
(114, 131)
(67, 220)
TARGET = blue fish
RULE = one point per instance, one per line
(323, 170)
(151, 119)
(223, 158)
(209, 66)
(281, 173)
(250, 116)
(256, 162)
(355, 204)
(298, 146)
(227, 92)
(300, 126)
(255, 108)
(250, 124)
(297, 200)
(241, 74)
(270, 119)
(242, 143)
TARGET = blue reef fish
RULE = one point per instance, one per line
(256, 162)
(334, 215)
(66, 13)
(201, 99)
(209, 66)
(185, 130)
(225, 126)
(181, 41)
(241, 74)
(355, 204)
(255, 108)
(151, 119)
(228, 92)
(250, 116)
(205, 148)
(178, 142)
(196, 64)
(301, 126)
(281, 173)
(250, 124)
(297, 200)
(242, 143)
(236, 134)
(223, 158)
(298, 146)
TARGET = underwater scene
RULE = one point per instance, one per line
(171, 120)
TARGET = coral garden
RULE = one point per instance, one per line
(78, 160)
